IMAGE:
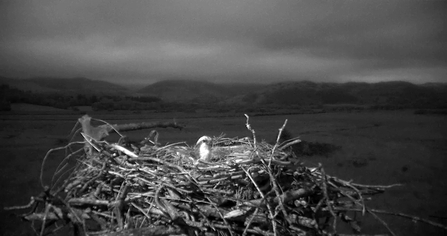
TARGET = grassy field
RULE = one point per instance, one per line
(376, 148)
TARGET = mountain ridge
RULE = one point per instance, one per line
(284, 93)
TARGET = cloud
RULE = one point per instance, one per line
(255, 41)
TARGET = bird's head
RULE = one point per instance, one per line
(204, 139)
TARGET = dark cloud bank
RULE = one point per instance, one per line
(218, 41)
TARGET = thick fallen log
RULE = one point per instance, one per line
(99, 132)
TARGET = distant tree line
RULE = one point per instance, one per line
(286, 101)
(111, 103)
(5, 103)
(9, 95)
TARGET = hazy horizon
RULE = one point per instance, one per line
(224, 82)
(225, 41)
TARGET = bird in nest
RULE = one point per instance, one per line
(200, 152)
(204, 144)
(209, 152)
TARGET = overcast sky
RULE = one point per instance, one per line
(223, 40)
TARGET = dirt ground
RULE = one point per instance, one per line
(376, 148)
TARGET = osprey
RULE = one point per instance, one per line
(209, 151)
(204, 148)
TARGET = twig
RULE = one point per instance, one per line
(276, 189)
(326, 196)
(278, 137)
(46, 156)
(272, 216)
(381, 221)
(247, 124)
(29, 205)
(412, 218)
(250, 220)
(59, 168)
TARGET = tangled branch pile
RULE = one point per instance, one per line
(246, 188)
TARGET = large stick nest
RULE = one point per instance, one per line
(246, 188)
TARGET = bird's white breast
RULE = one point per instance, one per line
(204, 151)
